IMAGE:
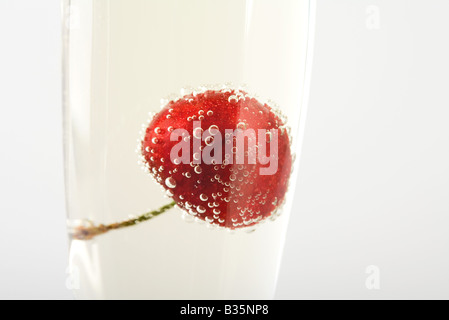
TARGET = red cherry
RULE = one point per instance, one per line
(223, 194)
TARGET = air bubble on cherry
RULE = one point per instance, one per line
(170, 182)
(209, 141)
(170, 193)
(213, 130)
(197, 133)
(241, 125)
(198, 170)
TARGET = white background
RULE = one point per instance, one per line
(374, 179)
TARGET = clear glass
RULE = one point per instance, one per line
(124, 59)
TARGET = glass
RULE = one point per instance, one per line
(215, 230)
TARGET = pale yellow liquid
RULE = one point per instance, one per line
(122, 57)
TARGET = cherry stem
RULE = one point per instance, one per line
(89, 232)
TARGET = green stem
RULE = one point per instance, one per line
(87, 233)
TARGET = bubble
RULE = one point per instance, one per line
(201, 112)
(196, 156)
(209, 140)
(240, 96)
(216, 211)
(158, 130)
(170, 129)
(232, 177)
(201, 118)
(203, 197)
(233, 98)
(200, 209)
(188, 205)
(170, 182)
(198, 169)
(170, 193)
(197, 132)
(210, 113)
(181, 197)
(155, 140)
(177, 161)
(241, 125)
(147, 149)
(213, 129)
(188, 175)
